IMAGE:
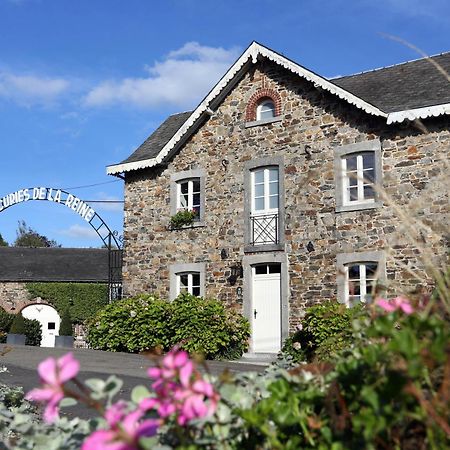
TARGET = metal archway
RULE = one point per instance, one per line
(110, 239)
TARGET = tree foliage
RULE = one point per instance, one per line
(27, 237)
(3, 243)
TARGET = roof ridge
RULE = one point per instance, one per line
(390, 66)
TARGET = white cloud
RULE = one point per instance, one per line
(79, 232)
(31, 89)
(182, 79)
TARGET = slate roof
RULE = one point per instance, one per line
(414, 84)
(159, 138)
(390, 92)
(53, 264)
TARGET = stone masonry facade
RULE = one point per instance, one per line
(408, 227)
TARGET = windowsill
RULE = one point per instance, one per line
(198, 224)
(264, 248)
(256, 123)
(359, 206)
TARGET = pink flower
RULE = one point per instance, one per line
(125, 430)
(180, 389)
(53, 374)
(395, 304)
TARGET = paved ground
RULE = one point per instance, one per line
(22, 362)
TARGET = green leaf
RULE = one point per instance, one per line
(139, 393)
(67, 401)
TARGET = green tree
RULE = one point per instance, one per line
(27, 237)
(3, 243)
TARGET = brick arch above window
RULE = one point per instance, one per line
(255, 100)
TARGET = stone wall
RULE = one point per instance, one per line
(413, 172)
(13, 296)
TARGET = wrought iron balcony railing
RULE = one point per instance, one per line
(264, 229)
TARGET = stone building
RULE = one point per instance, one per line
(304, 189)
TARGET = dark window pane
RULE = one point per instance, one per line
(352, 179)
(371, 269)
(369, 176)
(196, 184)
(51, 326)
(351, 163)
(274, 268)
(196, 200)
(353, 272)
(369, 192)
(196, 291)
(184, 280)
(261, 270)
(368, 160)
(353, 193)
(184, 187)
(195, 279)
(354, 288)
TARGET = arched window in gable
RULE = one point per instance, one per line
(264, 104)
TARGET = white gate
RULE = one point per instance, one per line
(49, 320)
(266, 308)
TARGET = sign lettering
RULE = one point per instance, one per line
(51, 195)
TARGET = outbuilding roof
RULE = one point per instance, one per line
(412, 90)
(54, 264)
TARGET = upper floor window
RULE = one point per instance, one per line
(358, 172)
(187, 192)
(188, 282)
(188, 196)
(265, 190)
(265, 109)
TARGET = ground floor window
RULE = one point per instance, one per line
(357, 275)
(188, 282)
(188, 277)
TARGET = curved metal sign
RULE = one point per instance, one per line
(83, 209)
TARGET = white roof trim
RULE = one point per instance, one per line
(418, 113)
(253, 51)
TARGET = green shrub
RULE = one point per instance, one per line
(82, 299)
(5, 324)
(18, 325)
(145, 322)
(326, 330)
(206, 326)
(130, 325)
(182, 218)
(65, 329)
(33, 332)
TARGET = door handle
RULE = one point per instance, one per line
(254, 313)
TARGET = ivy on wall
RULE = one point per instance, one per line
(82, 299)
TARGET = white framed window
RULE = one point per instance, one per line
(188, 282)
(358, 174)
(189, 196)
(358, 273)
(265, 110)
(360, 279)
(265, 190)
(187, 192)
(187, 277)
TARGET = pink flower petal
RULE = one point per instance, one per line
(385, 304)
(68, 367)
(181, 358)
(407, 308)
(104, 440)
(40, 395)
(47, 371)
(148, 428)
(186, 372)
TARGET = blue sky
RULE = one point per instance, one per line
(83, 83)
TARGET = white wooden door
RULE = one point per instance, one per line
(49, 320)
(266, 308)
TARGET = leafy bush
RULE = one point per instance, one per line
(206, 326)
(182, 218)
(389, 391)
(193, 323)
(65, 329)
(326, 330)
(82, 299)
(33, 332)
(18, 325)
(131, 325)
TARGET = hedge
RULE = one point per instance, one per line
(82, 299)
(33, 331)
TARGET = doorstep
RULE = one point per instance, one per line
(263, 359)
